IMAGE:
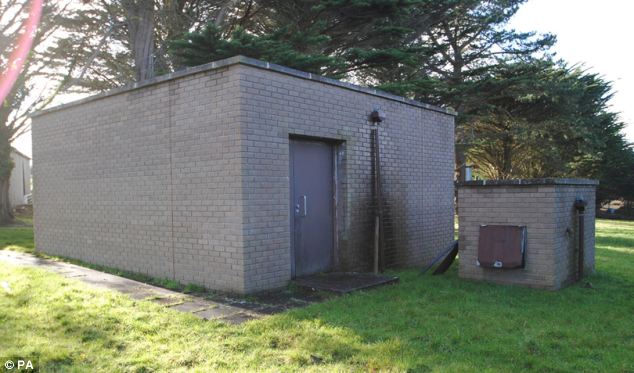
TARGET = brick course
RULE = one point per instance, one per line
(187, 176)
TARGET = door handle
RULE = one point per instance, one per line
(301, 208)
(304, 200)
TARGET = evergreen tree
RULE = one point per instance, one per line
(521, 114)
(339, 38)
(280, 47)
(532, 119)
(24, 97)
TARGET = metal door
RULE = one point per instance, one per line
(312, 191)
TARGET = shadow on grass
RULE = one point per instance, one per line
(443, 323)
(622, 243)
(447, 324)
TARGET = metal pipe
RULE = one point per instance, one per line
(376, 117)
(379, 199)
(376, 244)
(378, 229)
(580, 205)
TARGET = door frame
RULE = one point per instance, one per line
(336, 147)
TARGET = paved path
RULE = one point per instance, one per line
(200, 307)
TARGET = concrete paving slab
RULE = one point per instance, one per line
(141, 295)
(230, 309)
(238, 318)
(200, 307)
(344, 282)
(169, 301)
(192, 306)
(217, 312)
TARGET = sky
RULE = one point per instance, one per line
(596, 33)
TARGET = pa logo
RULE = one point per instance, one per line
(18, 365)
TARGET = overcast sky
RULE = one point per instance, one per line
(596, 33)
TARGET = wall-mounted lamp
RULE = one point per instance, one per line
(377, 116)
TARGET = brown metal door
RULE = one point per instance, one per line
(501, 246)
(311, 183)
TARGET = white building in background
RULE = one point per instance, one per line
(20, 182)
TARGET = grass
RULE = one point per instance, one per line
(426, 323)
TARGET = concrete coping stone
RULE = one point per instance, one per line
(247, 61)
(527, 182)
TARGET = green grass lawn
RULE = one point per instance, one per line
(439, 324)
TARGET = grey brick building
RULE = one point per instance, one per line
(231, 174)
(546, 208)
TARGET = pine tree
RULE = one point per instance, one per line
(338, 38)
(24, 97)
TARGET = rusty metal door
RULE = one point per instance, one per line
(502, 246)
(312, 191)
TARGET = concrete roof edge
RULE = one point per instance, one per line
(19, 153)
(528, 182)
(247, 61)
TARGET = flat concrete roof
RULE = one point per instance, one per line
(528, 182)
(242, 60)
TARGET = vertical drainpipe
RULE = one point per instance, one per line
(580, 205)
(376, 117)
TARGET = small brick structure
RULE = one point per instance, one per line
(545, 207)
(186, 176)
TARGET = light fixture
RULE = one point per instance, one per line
(377, 116)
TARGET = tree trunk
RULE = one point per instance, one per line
(225, 8)
(140, 14)
(507, 162)
(6, 165)
(6, 215)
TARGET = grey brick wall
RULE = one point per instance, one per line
(147, 181)
(186, 177)
(546, 209)
(417, 170)
(566, 268)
